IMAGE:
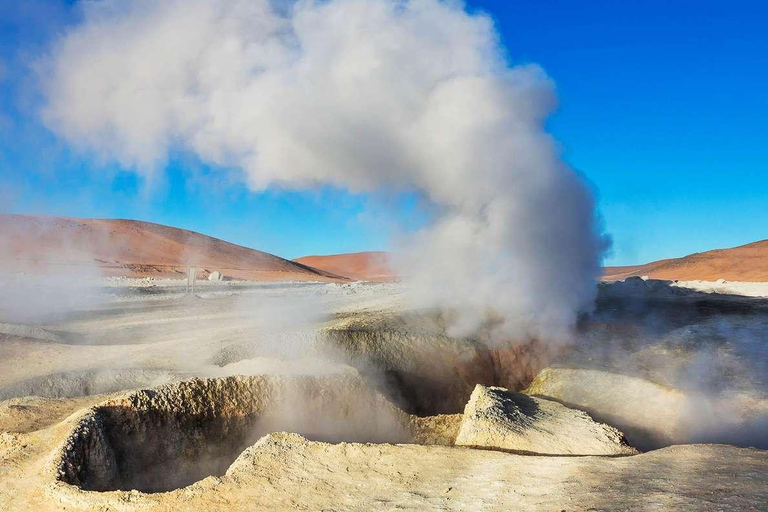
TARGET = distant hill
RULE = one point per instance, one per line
(362, 266)
(744, 263)
(117, 247)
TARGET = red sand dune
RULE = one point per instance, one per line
(132, 248)
(363, 266)
(745, 263)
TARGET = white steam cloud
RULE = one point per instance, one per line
(361, 94)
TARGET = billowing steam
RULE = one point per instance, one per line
(360, 94)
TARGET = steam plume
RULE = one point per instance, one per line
(361, 94)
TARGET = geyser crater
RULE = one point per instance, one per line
(174, 435)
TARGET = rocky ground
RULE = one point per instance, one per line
(371, 397)
(287, 471)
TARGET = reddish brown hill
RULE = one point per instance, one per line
(745, 263)
(363, 266)
(137, 249)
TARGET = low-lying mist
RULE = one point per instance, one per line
(709, 353)
(40, 298)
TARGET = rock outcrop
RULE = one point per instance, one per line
(496, 418)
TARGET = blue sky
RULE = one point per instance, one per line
(663, 108)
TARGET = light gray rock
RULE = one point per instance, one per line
(496, 418)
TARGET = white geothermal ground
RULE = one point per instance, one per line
(154, 326)
(346, 400)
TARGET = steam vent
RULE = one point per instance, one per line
(383, 255)
(169, 437)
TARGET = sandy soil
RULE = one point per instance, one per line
(105, 247)
(362, 266)
(745, 263)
